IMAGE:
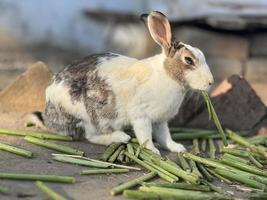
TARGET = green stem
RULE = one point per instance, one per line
(214, 187)
(142, 163)
(241, 153)
(236, 176)
(205, 172)
(194, 168)
(259, 179)
(189, 130)
(33, 177)
(204, 161)
(3, 189)
(145, 151)
(130, 148)
(162, 170)
(260, 139)
(133, 194)
(184, 186)
(184, 164)
(120, 188)
(176, 171)
(212, 149)
(238, 159)
(78, 161)
(244, 167)
(204, 144)
(51, 145)
(41, 135)
(191, 136)
(215, 117)
(98, 161)
(173, 163)
(255, 162)
(222, 166)
(195, 149)
(109, 151)
(258, 195)
(220, 146)
(134, 140)
(48, 191)
(240, 140)
(104, 171)
(121, 156)
(16, 150)
(220, 177)
(115, 155)
(183, 194)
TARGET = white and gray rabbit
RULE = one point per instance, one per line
(99, 95)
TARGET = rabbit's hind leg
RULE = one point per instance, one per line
(58, 121)
(107, 139)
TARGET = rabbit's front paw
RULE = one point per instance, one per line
(154, 150)
(119, 136)
(176, 147)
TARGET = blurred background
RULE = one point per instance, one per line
(232, 34)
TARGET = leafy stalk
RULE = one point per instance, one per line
(35, 177)
(127, 185)
(215, 117)
(41, 135)
(103, 171)
(51, 145)
(16, 150)
(48, 191)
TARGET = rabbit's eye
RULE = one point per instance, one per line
(189, 60)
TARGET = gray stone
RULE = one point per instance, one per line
(256, 70)
(214, 44)
(260, 128)
(260, 89)
(237, 105)
(259, 45)
(221, 68)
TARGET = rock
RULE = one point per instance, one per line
(260, 89)
(236, 103)
(261, 128)
(256, 70)
(214, 44)
(27, 92)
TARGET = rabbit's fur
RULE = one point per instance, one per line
(101, 94)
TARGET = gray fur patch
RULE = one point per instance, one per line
(57, 120)
(75, 74)
(85, 85)
(99, 99)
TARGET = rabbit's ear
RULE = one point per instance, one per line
(160, 29)
(144, 17)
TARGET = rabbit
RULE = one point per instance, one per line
(98, 96)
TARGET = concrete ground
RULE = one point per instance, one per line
(87, 187)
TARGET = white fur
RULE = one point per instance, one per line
(200, 78)
(144, 99)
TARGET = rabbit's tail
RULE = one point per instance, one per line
(35, 119)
